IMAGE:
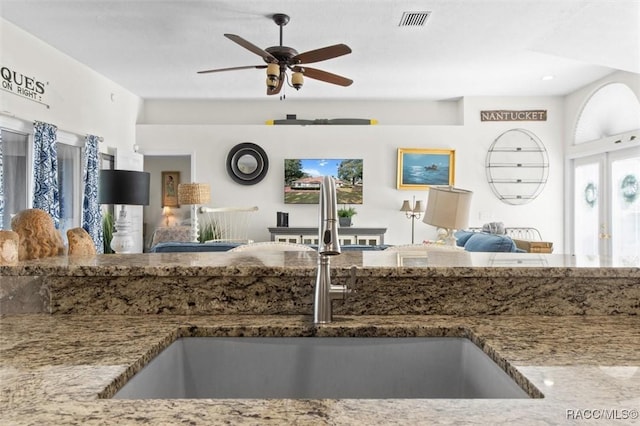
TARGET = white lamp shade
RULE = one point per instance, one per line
(448, 207)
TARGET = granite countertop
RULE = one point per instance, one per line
(414, 262)
(54, 367)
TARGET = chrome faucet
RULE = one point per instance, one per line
(328, 245)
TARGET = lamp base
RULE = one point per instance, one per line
(194, 224)
(450, 239)
(122, 241)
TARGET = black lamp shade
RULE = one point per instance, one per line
(123, 187)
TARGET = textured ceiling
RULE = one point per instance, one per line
(466, 48)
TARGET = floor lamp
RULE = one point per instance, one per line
(127, 188)
(448, 208)
(194, 194)
(413, 212)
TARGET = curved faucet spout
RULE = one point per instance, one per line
(328, 243)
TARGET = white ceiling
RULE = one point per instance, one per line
(467, 47)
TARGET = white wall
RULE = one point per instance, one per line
(397, 112)
(377, 146)
(80, 100)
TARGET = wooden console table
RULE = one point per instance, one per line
(348, 235)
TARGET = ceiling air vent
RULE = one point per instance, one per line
(414, 19)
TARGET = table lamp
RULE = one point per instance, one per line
(194, 194)
(413, 211)
(166, 212)
(448, 208)
(127, 188)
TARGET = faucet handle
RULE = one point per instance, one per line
(338, 292)
(326, 238)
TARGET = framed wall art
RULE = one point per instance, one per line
(170, 182)
(420, 168)
(302, 177)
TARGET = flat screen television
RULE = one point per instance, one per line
(302, 177)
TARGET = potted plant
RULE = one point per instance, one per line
(345, 214)
(107, 231)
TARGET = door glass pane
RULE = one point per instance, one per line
(625, 207)
(586, 202)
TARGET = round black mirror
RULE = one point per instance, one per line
(247, 163)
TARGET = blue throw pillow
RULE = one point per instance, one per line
(481, 241)
(462, 237)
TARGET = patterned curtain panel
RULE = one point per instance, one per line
(91, 214)
(45, 170)
(1, 185)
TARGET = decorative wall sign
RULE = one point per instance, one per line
(24, 86)
(517, 166)
(419, 168)
(508, 115)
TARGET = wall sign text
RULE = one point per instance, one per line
(508, 115)
(22, 85)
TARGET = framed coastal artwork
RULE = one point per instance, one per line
(170, 181)
(302, 177)
(420, 168)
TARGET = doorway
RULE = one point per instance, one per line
(606, 204)
(156, 214)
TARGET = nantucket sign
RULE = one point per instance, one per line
(508, 115)
(23, 85)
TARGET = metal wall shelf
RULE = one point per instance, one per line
(517, 166)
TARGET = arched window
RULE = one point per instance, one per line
(611, 110)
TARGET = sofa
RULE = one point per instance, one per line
(469, 240)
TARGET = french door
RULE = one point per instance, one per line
(606, 204)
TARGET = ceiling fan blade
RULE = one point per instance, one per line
(279, 86)
(268, 57)
(323, 76)
(321, 54)
(233, 68)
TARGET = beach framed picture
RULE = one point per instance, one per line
(420, 168)
(170, 182)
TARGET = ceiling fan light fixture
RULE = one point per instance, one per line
(297, 80)
(272, 83)
(273, 73)
(280, 60)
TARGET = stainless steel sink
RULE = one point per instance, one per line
(321, 367)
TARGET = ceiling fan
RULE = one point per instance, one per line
(281, 58)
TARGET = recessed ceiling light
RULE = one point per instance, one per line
(548, 77)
